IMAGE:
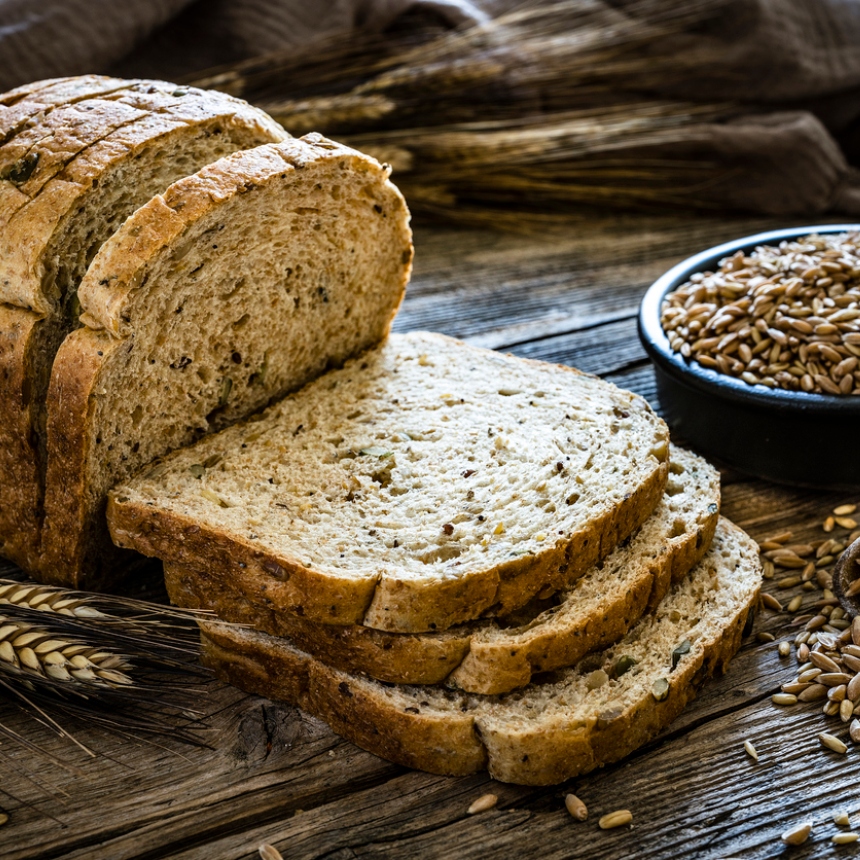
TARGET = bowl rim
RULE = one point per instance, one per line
(656, 342)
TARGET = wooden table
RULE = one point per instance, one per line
(276, 775)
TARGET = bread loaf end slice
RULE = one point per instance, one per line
(576, 720)
(237, 285)
(418, 487)
(490, 656)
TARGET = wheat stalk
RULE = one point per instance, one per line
(47, 599)
(34, 650)
(122, 664)
(546, 110)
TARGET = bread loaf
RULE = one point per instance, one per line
(488, 656)
(421, 485)
(77, 157)
(575, 720)
(235, 286)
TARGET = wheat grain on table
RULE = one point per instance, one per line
(275, 776)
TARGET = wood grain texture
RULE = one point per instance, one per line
(276, 775)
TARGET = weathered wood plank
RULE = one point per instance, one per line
(496, 290)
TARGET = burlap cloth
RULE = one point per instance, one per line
(794, 63)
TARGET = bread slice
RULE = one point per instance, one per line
(419, 486)
(575, 720)
(489, 656)
(236, 286)
(79, 156)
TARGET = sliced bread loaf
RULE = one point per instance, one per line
(79, 156)
(421, 485)
(488, 656)
(237, 285)
(574, 721)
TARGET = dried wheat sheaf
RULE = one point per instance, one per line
(543, 111)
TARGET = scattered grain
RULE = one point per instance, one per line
(832, 743)
(834, 679)
(483, 803)
(813, 693)
(823, 662)
(576, 807)
(845, 838)
(798, 834)
(788, 582)
(769, 601)
(615, 819)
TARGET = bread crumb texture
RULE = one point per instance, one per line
(494, 655)
(426, 461)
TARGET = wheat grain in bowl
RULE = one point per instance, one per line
(785, 316)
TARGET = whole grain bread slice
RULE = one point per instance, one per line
(236, 286)
(421, 485)
(72, 175)
(491, 656)
(576, 720)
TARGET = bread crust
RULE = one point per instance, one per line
(537, 751)
(114, 295)
(447, 745)
(66, 142)
(21, 509)
(20, 106)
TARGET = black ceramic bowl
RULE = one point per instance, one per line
(810, 440)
